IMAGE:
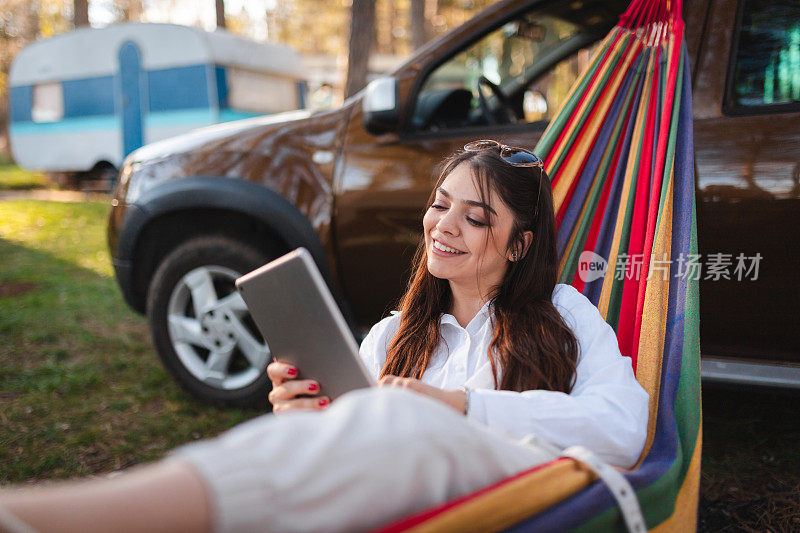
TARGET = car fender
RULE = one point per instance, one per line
(282, 218)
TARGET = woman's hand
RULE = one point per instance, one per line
(455, 398)
(286, 389)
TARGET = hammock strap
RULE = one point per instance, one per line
(617, 484)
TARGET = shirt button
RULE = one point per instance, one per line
(460, 367)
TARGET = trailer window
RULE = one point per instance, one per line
(766, 65)
(260, 93)
(48, 102)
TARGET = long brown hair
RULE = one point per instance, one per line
(532, 347)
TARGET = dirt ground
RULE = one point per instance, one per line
(751, 460)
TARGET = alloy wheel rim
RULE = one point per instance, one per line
(211, 331)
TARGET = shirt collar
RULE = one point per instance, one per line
(477, 322)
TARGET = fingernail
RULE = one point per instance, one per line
(313, 387)
(323, 402)
(291, 371)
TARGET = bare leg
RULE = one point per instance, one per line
(166, 496)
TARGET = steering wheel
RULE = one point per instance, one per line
(507, 114)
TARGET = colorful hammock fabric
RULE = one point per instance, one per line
(620, 157)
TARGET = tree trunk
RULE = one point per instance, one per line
(221, 14)
(32, 22)
(132, 10)
(362, 27)
(418, 30)
(80, 13)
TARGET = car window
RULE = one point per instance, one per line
(513, 68)
(766, 64)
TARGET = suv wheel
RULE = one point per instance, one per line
(200, 325)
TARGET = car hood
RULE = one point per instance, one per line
(293, 154)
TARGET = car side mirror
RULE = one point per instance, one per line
(381, 113)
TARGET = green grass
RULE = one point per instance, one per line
(81, 388)
(14, 178)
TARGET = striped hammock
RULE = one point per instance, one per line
(620, 158)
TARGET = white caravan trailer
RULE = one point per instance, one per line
(85, 99)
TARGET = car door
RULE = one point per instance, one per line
(533, 55)
(747, 142)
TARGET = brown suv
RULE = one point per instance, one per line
(194, 212)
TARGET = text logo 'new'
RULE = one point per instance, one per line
(591, 266)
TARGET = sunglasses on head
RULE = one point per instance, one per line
(516, 157)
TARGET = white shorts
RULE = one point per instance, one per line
(373, 457)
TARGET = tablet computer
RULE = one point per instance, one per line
(302, 325)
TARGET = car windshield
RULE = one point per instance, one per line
(516, 73)
(503, 56)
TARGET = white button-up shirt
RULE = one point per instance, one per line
(606, 411)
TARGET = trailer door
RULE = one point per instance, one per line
(130, 84)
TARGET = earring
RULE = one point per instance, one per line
(515, 256)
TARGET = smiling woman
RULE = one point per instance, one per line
(459, 226)
(488, 237)
(490, 368)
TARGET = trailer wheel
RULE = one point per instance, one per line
(200, 325)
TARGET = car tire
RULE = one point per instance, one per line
(200, 326)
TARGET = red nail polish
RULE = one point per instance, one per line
(323, 402)
(313, 387)
(292, 371)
